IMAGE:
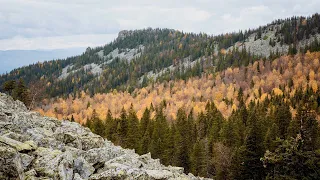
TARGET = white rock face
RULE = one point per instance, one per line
(100, 54)
(262, 47)
(184, 65)
(125, 54)
(95, 69)
(36, 147)
(65, 72)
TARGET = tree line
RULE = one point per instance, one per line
(259, 141)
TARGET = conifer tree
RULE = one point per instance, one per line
(133, 134)
(98, 126)
(243, 113)
(271, 136)
(145, 120)
(169, 147)
(94, 114)
(192, 130)
(9, 86)
(181, 141)
(238, 129)
(251, 167)
(282, 119)
(110, 126)
(88, 123)
(215, 119)
(309, 128)
(199, 159)
(72, 118)
(158, 134)
(202, 126)
(290, 160)
(122, 128)
(144, 146)
(228, 134)
(21, 93)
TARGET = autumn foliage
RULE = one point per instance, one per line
(258, 81)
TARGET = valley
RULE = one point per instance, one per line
(239, 105)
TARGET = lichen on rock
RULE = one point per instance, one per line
(36, 147)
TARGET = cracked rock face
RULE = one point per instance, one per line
(35, 147)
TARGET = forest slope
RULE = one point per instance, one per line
(283, 76)
(218, 106)
(139, 58)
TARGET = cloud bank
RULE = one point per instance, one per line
(52, 24)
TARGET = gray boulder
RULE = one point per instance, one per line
(34, 147)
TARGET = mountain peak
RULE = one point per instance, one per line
(122, 34)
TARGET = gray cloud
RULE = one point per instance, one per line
(50, 24)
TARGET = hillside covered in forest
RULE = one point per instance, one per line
(141, 57)
(241, 105)
(286, 76)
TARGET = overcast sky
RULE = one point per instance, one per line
(58, 24)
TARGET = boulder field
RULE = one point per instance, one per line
(36, 147)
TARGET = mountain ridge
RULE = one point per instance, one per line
(168, 54)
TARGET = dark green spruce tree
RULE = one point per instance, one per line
(251, 166)
(158, 135)
(133, 134)
(182, 140)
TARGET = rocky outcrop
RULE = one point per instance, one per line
(36, 147)
(124, 33)
(261, 47)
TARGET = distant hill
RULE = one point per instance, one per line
(12, 59)
(141, 57)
